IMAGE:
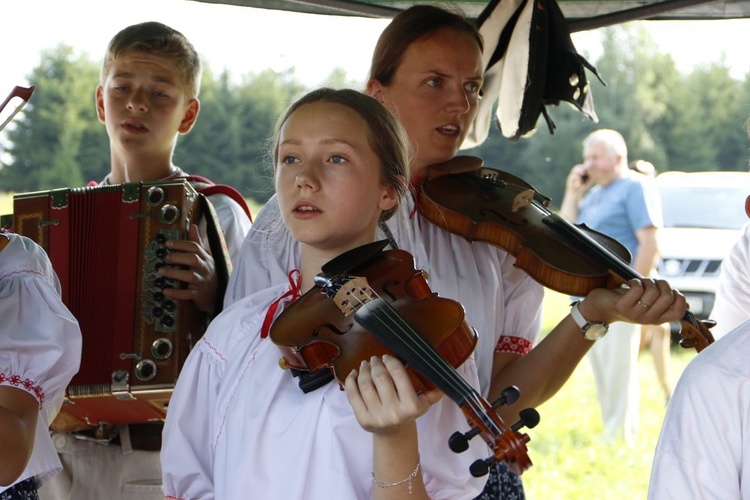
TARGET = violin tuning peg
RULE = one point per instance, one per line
(481, 467)
(529, 418)
(459, 442)
(283, 364)
(509, 396)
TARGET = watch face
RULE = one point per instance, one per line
(595, 331)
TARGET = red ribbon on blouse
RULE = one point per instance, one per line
(295, 281)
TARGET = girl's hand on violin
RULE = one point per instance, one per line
(645, 302)
(195, 267)
(383, 397)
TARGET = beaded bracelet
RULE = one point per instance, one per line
(408, 479)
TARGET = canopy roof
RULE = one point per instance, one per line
(581, 15)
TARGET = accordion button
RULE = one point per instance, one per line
(161, 348)
(169, 214)
(145, 370)
(158, 296)
(169, 306)
(157, 311)
(168, 321)
(156, 195)
(161, 253)
(160, 282)
(160, 238)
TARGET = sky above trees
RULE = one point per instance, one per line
(245, 40)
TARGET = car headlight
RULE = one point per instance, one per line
(672, 267)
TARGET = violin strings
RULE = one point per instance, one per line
(598, 252)
(607, 258)
(425, 353)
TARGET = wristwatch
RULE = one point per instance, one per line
(591, 331)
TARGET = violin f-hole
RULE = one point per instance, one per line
(386, 288)
(326, 329)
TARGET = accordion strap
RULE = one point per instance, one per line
(207, 187)
(219, 251)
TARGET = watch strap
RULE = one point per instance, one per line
(591, 330)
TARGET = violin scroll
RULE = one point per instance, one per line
(507, 443)
(695, 333)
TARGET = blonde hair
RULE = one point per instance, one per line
(158, 39)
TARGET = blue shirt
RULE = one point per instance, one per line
(621, 208)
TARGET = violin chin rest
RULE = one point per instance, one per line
(456, 165)
(353, 258)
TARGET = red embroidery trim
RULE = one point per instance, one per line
(514, 345)
(27, 271)
(29, 385)
(295, 281)
(214, 349)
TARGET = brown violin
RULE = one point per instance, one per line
(370, 302)
(483, 204)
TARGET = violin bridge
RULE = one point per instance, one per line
(353, 294)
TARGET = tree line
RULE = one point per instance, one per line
(679, 121)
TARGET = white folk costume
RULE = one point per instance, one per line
(40, 343)
(704, 447)
(502, 302)
(240, 427)
(732, 306)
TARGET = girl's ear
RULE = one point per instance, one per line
(390, 196)
(191, 114)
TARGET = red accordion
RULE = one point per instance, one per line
(106, 245)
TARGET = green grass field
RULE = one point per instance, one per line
(570, 461)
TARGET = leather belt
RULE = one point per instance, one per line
(143, 437)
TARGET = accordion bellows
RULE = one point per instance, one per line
(106, 245)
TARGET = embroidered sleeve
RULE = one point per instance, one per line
(513, 345)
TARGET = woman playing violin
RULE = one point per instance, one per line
(427, 69)
(239, 426)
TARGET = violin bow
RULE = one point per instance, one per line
(23, 93)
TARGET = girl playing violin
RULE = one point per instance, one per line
(239, 426)
(427, 70)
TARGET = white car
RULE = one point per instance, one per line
(704, 213)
